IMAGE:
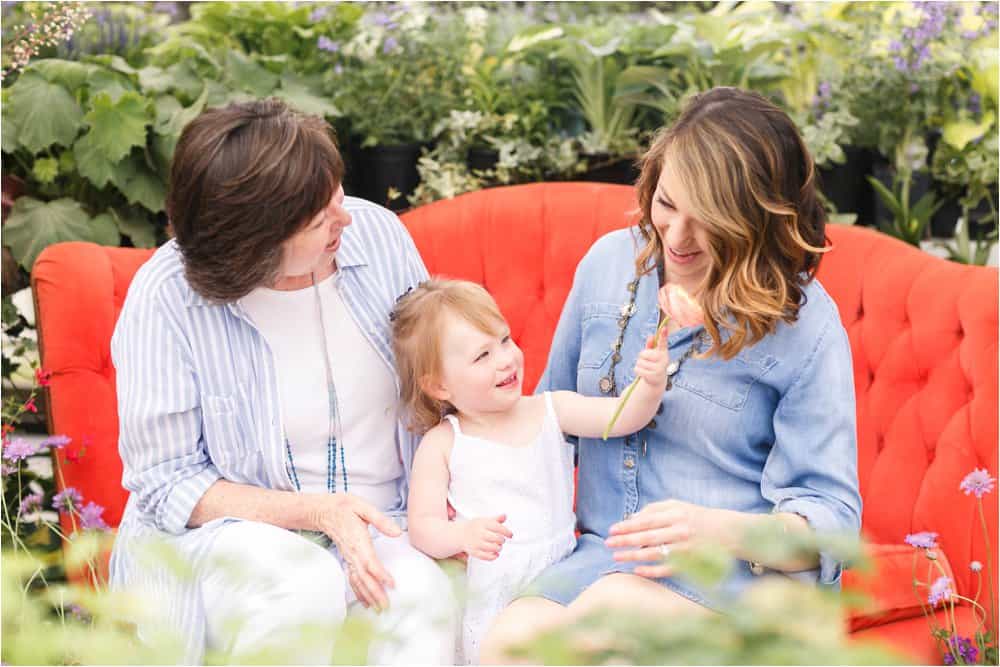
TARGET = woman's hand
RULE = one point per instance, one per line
(660, 528)
(345, 518)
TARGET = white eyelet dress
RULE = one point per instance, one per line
(533, 486)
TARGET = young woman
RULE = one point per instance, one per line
(759, 421)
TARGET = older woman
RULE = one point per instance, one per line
(758, 423)
(258, 405)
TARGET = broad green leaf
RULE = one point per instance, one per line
(92, 163)
(44, 113)
(172, 118)
(301, 96)
(112, 83)
(959, 133)
(45, 169)
(33, 225)
(67, 162)
(247, 75)
(119, 126)
(8, 131)
(115, 62)
(105, 230)
(137, 227)
(139, 183)
(155, 80)
(68, 73)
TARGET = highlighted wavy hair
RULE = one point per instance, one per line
(752, 184)
(417, 329)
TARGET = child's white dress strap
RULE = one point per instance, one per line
(550, 407)
(454, 423)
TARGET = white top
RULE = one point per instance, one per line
(532, 485)
(365, 391)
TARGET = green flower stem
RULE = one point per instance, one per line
(631, 387)
(989, 566)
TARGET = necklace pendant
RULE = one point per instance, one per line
(606, 385)
(670, 383)
(672, 368)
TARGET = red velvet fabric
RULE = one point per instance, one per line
(923, 333)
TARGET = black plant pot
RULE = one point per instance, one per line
(847, 187)
(481, 159)
(943, 222)
(607, 169)
(383, 167)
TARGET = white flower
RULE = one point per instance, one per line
(476, 19)
(25, 304)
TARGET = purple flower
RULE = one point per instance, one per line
(57, 441)
(390, 44)
(895, 45)
(977, 482)
(17, 449)
(90, 517)
(384, 20)
(924, 540)
(67, 499)
(825, 89)
(30, 503)
(901, 64)
(940, 591)
(975, 103)
(964, 648)
(7, 469)
(324, 43)
(975, 566)
(338, 69)
(319, 14)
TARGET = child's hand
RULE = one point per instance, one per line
(653, 361)
(485, 537)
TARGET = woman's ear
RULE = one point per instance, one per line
(434, 388)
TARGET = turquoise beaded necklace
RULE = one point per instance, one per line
(333, 448)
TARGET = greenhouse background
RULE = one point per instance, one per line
(897, 101)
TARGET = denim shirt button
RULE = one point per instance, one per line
(630, 462)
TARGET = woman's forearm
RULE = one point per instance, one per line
(286, 509)
(735, 526)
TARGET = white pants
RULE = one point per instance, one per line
(292, 599)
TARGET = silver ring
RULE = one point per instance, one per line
(664, 550)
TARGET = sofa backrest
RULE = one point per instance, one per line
(923, 333)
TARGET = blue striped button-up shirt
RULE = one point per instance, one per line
(198, 401)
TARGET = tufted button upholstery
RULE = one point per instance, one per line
(923, 334)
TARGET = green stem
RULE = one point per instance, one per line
(989, 566)
(631, 387)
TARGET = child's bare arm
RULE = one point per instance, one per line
(587, 416)
(430, 529)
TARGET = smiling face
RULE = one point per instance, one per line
(685, 239)
(312, 248)
(480, 372)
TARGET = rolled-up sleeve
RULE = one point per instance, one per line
(812, 468)
(166, 464)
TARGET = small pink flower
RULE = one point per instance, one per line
(680, 306)
(30, 406)
(978, 482)
(90, 517)
(924, 540)
(43, 377)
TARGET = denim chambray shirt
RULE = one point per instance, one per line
(771, 430)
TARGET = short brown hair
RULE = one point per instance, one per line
(752, 183)
(416, 340)
(244, 179)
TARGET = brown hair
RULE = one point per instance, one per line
(417, 323)
(243, 180)
(751, 182)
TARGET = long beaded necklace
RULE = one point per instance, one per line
(332, 446)
(607, 384)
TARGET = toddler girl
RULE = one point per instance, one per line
(499, 458)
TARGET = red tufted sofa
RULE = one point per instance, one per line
(923, 333)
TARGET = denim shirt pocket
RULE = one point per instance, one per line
(598, 333)
(226, 437)
(725, 383)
